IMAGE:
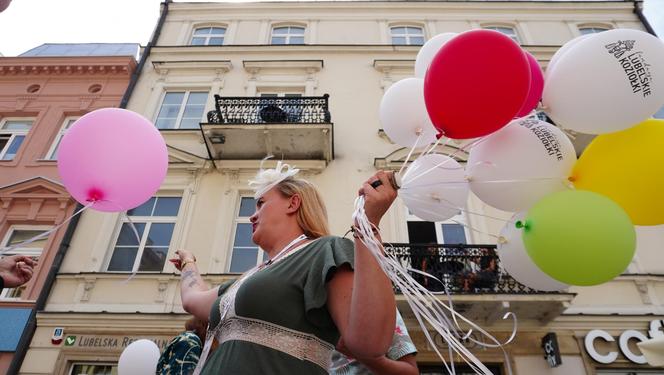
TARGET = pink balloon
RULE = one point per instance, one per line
(112, 156)
(536, 86)
(4, 4)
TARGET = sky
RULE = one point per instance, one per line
(26, 24)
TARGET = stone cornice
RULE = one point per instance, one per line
(10, 66)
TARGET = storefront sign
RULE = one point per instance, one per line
(623, 341)
(551, 350)
(108, 343)
(58, 334)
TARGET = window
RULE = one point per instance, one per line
(146, 248)
(93, 369)
(208, 36)
(585, 30)
(288, 35)
(34, 249)
(246, 253)
(509, 31)
(12, 135)
(407, 35)
(53, 153)
(182, 110)
(445, 232)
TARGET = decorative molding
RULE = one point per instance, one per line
(162, 287)
(88, 286)
(309, 66)
(218, 66)
(24, 68)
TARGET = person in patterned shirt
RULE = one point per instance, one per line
(399, 359)
(181, 355)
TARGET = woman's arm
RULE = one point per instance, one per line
(197, 297)
(362, 303)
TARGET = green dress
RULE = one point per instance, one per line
(290, 293)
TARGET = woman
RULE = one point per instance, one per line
(182, 353)
(399, 359)
(286, 315)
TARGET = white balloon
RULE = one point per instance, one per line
(515, 260)
(606, 82)
(434, 187)
(560, 52)
(520, 164)
(139, 358)
(428, 51)
(404, 115)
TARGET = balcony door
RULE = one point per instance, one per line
(450, 232)
(281, 111)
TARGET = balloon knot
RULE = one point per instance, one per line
(525, 225)
(95, 195)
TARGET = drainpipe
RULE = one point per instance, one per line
(30, 327)
(29, 330)
(146, 53)
(638, 4)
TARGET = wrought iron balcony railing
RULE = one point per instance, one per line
(463, 269)
(270, 110)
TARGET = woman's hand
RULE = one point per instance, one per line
(379, 199)
(16, 270)
(182, 257)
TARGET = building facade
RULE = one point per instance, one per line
(229, 83)
(43, 92)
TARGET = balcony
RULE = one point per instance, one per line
(480, 289)
(290, 128)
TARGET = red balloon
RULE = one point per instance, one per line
(4, 4)
(536, 86)
(476, 84)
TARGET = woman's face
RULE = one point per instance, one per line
(270, 216)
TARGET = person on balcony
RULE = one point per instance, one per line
(399, 359)
(15, 270)
(286, 315)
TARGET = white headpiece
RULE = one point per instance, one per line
(266, 179)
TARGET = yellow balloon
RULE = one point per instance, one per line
(628, 167)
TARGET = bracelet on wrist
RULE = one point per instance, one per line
(188, 261)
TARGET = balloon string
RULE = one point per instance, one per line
(425, 305)
(430, 150)
(134, 230)
(448, 204)
(45, 234)
(419, 136)
(470, 145)
(564, 181)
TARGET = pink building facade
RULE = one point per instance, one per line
(40, 97)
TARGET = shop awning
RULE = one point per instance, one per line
(653, 350)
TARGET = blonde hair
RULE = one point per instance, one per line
(312, 214)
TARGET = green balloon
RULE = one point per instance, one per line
(579, 237)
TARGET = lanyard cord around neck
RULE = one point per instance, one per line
(286, 249)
